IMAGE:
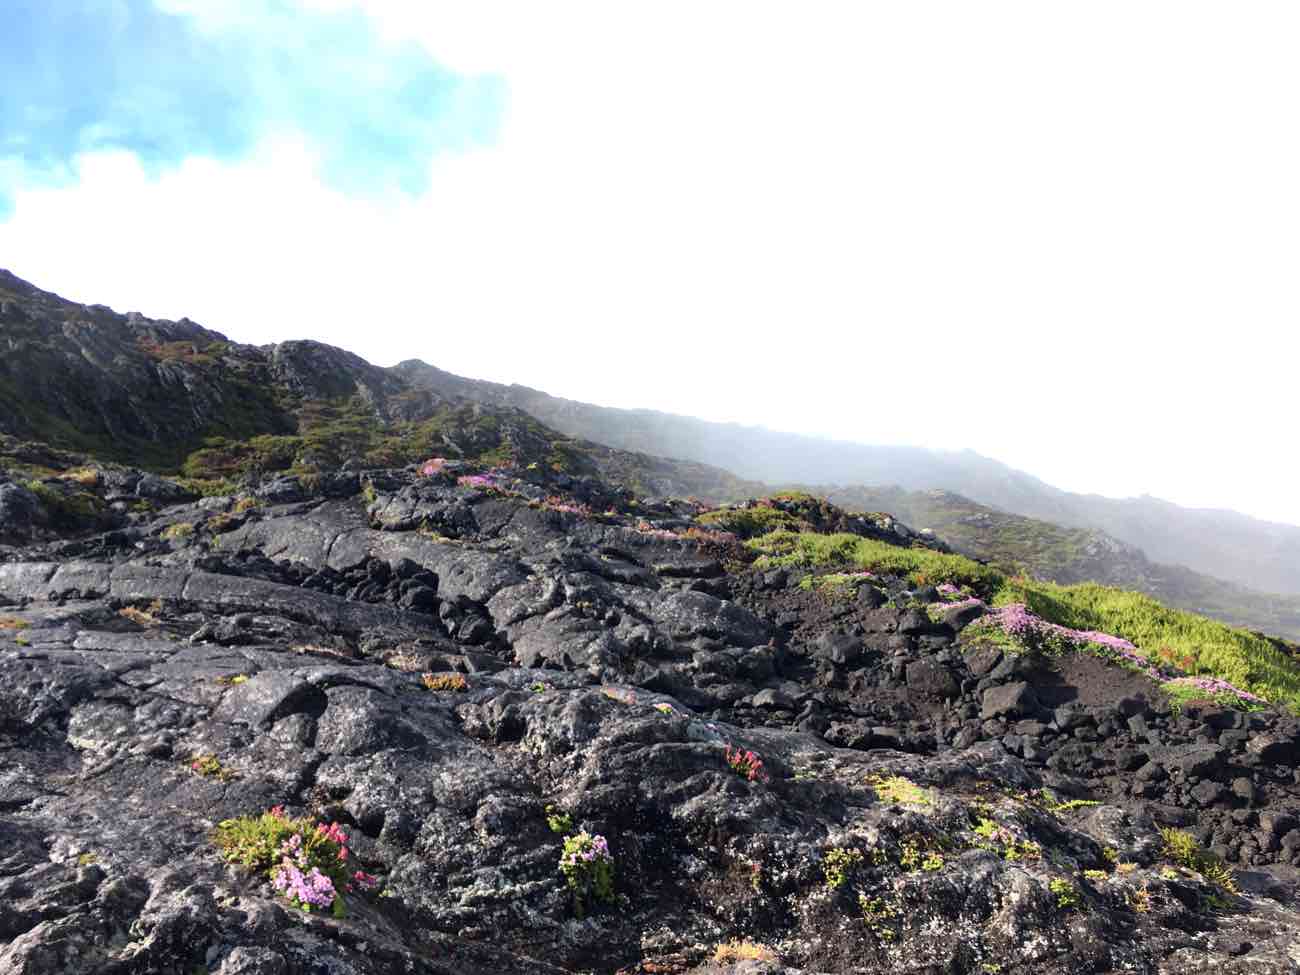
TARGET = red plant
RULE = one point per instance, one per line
(746, 764)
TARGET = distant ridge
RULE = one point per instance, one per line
(1247, 551)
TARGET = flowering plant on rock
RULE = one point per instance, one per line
(746, 764)
(305, 860)
(588, 869)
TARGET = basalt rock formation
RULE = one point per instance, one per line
(466, 670)
(545, 715)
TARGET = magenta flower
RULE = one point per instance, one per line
(746, 764)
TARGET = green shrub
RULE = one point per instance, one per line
(750, 522)
(1181, 848)
(305, 861)
(1067, 895)
(920, 565)
(838, 864)
(1171, 637)
(588, 869)
(559, 822)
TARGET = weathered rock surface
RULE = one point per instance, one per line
(607, 668)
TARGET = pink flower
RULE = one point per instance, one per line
(333, 832)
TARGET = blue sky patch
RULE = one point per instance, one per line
(83, 75)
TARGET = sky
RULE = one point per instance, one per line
(1062, 235)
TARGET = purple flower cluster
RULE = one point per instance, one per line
(947, 589)
(305, 886)
(1213, 686)
(558, 503)
(588, 868)
(645, 528)
(587, 849)
(312, 889)
(485, 481)
(1017, 621)
(959, 604)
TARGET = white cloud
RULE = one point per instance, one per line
(1062, 236)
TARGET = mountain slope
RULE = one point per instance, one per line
(1070, 555)
(176, 397)
(1249, 552)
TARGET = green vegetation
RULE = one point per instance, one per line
(69, 508)
(588, 870)
(306, 861)
(1070, 555)
(454, 683)
(1165, 636)
(1181, 848)
(751, 522)
(1067, 895)
(177, 531)
(558, 822)
(843, 584)
(210, 767)
(1182, 694)
(922, 566)
(900, 791)
(838, 865)
(880, 915)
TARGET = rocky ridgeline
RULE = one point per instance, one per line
(476, 675)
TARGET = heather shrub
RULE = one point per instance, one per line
(745, 763)
(305, 861)
(808, 550)
(588, 869)
(750, 522)
(1247, 661)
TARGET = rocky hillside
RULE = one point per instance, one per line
(1070, 555)
(453, 719)
(362, 677)
(1261, 555)
(172, 397)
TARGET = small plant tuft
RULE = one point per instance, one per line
(838, 864)
(454, 683)
(210, 767)
(559, 822)
(733, 951)
(588, 869)
(1067, 895)
(1181, 848)
(900, 791)
(305, 861)
(746, 764)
